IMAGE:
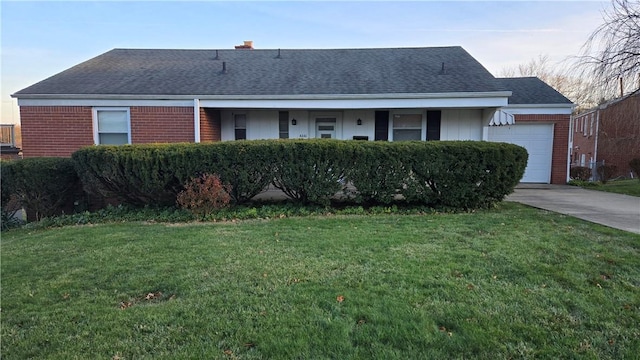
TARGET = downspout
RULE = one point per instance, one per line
(196, 120)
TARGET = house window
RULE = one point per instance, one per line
(112, 126)
(407, 127)
(283, 124)
(591, 125)
(240, 123)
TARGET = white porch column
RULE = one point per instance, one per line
(196, 120)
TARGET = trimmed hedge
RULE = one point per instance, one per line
(43, 186)
(311, 171)
(457, 174)
(154, 174)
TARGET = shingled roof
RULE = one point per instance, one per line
(272, 72)
(532, 90)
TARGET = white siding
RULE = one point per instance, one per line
(350, 127)
(262, 124)
(461, 124)
(301, 129)
(226, 125)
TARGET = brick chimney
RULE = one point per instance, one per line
(246, 45)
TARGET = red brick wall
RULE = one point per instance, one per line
(151, 124)
(55, 130)
(619, 134)
(210, 125)
(61, 130)
(560, 142)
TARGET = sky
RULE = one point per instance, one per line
(41, 39)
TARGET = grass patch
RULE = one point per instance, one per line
(512, 282)
(628, 187)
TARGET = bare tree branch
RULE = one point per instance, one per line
(612, 51)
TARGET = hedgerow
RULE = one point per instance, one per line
(453, 174)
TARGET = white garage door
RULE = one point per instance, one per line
(537, 139)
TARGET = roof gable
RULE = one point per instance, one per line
(272, 72)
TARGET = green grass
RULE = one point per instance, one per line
(513, 282)
(628, 187)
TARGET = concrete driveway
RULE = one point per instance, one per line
(613, 210)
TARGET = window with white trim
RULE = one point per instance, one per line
(407, 127)
(111, 126)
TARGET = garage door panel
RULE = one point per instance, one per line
(537, 139)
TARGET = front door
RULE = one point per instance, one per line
(326, 128)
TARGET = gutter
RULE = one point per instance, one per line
(448, 95)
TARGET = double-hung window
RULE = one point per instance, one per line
(407, 127)
(111, 126)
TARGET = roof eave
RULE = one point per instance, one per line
(485, 94)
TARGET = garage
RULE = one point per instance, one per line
(537, 139)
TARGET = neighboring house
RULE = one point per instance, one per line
(133, 96)
(608, 134)
(9, 147)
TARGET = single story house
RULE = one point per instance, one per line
(133, 96)
(608, 134)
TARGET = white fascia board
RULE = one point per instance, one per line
(313, 101)
(103, 102)
(372, 102)
(539, 109)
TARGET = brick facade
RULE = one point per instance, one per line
(155, 124)
(560, 142)
(210, 125)
(58, 131)
(55, 131)
(619, 134)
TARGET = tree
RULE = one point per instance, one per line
(612, 52)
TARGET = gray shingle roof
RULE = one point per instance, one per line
(532, 90)
(261, 72)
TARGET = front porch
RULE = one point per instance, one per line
(348, 124)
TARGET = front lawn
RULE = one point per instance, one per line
(513, 282)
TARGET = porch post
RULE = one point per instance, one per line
(196, 120)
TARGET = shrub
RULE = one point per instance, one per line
(635, 166)
(464, 174)
(142, 175)
(580, 173)
(312, 171)
(247, 166)
(134, 174)
(204, 194)
(606, 172)
(379, 173)
(43, 186)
